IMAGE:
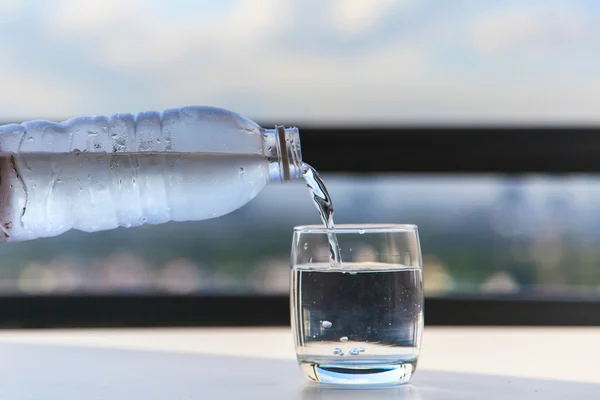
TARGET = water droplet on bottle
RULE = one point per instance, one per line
(338, 352)
(344, 339)
(242, 172)
(326, 324)
(361, 231)
(354, 351)
(306, 246)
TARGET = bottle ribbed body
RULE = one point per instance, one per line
(97, 173)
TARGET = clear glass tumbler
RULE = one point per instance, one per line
(359, 323)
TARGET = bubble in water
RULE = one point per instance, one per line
(242, 172)
(326, 324)
(306, 246)
(76, 152)
(338, 352)
(143, 220)
(361, 349)
(361, 231)
(344, 339)
(354, 351)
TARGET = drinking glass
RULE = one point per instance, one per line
(360, 322)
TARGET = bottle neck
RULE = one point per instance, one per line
(282, 146)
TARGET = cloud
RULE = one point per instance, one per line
(8, 8)
(9, 5)
(306, 86)
(277, 60)
(243, 65)
(357, 16)
(530, 27)
(28, 95)
(135, 34)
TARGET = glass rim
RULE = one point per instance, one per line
(356, 228)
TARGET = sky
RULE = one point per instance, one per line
(295, 61)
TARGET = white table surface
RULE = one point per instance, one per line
(259, 363)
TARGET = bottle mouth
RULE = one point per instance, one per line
(290, 154)
(288, 163)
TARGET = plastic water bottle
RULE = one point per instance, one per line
(101, 172)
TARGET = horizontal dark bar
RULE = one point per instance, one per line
(508, 150)
(152, 311)
(504, 311)
(146, 310)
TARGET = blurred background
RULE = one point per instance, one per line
(321, 64)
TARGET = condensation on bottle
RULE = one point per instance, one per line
(101, 172)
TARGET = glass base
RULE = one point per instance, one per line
(371, 375)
